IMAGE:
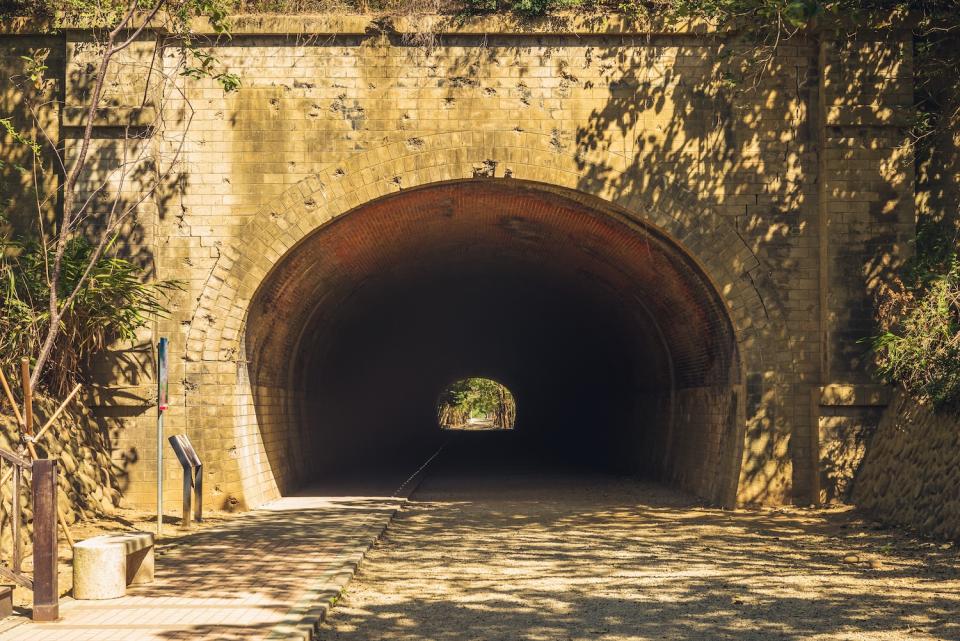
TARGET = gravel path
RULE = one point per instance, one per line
(551, 556)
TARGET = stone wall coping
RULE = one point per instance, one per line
(356, 24)
(855, 394)
(561, 24)
(567, 23)
(23, 25)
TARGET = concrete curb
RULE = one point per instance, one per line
(304, 619)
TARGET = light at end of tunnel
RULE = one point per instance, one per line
(475, 404)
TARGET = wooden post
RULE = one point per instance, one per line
(27, 397)
(10, 399)
(28, 432)
(15, 507)
(46, 606)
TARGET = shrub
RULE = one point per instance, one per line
(112, 305)
(919, 346)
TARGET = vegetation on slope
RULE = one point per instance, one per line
(113, 305)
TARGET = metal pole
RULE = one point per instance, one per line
(187, 495)
(198, 491)
(161, 407)
(159, 472)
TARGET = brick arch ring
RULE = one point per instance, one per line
(709, 240)
(653, 200)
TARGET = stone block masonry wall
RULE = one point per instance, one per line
(849, 415)
(789, 200)
(867, 209)
(910, 474)
(17, 95)
(309, 104)
(700, 448)
(867, 220)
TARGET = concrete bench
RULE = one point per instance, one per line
(103, 566)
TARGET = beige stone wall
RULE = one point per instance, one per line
(910, 474)
(19, 191)
(88, 484)
(629, 116)
(867, 208)
(938, 158)
(905, 471)
(700, 450)
(848, 417)
(788, 189)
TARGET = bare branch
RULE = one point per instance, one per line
(111, 48)
(143, 25)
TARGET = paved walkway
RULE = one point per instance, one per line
(266, 575)
(521, 555)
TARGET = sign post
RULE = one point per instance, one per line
(163, 389)
(192, 477)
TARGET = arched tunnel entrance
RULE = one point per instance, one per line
(617, 347)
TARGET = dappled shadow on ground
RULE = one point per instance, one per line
(247, 578)
(550, 556)
(258, 554)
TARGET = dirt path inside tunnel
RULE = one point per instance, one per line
(529, 555)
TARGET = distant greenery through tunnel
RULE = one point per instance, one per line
(477, 404)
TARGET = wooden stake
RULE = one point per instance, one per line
(10, 399)
(28, 435)
(27, 396)
(47, 425)
(59, 411)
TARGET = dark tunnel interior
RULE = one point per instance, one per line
(617, 349)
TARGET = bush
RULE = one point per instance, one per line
(920, 345)
(112, 305)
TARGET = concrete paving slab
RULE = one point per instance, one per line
(270, 574)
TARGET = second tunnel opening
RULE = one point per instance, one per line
(614, 342)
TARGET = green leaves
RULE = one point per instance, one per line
(476, 397)
(922, 350)
(111, 305)
(7, 124)
(35, 66)
(203, 64)
(800, 12)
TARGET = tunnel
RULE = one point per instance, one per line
(614, 342)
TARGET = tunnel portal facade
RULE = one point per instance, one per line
(673, 275)
(602, 325)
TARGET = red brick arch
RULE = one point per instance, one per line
(709, 239)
